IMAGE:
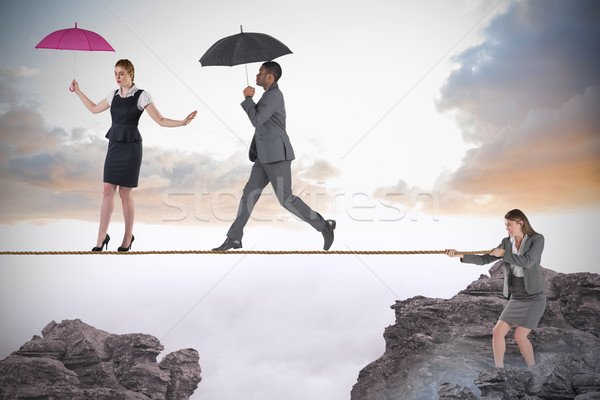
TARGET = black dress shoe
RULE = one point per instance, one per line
(328, 233)
(229, 244)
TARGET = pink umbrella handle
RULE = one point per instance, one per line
(71, 89)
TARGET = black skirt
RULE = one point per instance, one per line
(122, 163)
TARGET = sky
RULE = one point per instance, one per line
(416, 125)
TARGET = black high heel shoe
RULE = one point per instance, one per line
(127, 248)
(104, 243)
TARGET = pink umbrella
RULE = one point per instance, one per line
(74, 39)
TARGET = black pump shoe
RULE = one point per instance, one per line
(127, 248)
(104, 243)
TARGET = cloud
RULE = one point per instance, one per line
(8, 95)
(20, 72)
(527, 98)
(550, 161)
(24, 132)
(206, 190)
(317, 171)
(537, 55)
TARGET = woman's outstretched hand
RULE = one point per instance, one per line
(190, 117)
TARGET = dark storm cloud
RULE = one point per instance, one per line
(528, 96)
(537, 55)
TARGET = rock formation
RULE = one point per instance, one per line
(441, 349)
(76, 361)
(563, 376)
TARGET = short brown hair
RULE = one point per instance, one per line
(518, 215)
(128, 65)
(273, 68)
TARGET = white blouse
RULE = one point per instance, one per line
(516, 270)
(144, 99)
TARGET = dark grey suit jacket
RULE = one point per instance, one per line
(529, 261)
(270, 142)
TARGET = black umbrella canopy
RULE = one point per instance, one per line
(243, 48)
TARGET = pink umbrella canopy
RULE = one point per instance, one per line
(74, 39)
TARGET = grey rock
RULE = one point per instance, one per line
(438, 347)
(34, 377)
(452, 391)
(75, 361)
(588, 396)
(564, 376)
(184, 372)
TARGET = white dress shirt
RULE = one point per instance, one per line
(516, 270)
(144, 99)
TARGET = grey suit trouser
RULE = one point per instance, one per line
(280, 175)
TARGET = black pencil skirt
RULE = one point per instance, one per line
(122, 163)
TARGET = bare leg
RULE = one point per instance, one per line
(128, 214)
(108, 204)
(499, 343)
(525, 345)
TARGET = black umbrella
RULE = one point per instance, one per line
(243, 48)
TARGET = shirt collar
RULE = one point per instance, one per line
(130, 93)
(512, 240)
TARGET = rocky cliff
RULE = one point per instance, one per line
(441, 349)
(75, 361)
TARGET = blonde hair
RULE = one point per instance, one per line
(128, 65)
(518, 215)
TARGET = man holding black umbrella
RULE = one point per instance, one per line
(272, 154)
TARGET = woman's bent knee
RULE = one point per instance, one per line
(501, 329)
(521, 334)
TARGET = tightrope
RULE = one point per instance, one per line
(234, 252)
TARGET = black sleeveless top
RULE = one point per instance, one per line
(125, 117)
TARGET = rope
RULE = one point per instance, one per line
(256, 252)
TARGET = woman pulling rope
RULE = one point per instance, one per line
(524, 284)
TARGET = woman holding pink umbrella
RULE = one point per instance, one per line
(124, 156)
